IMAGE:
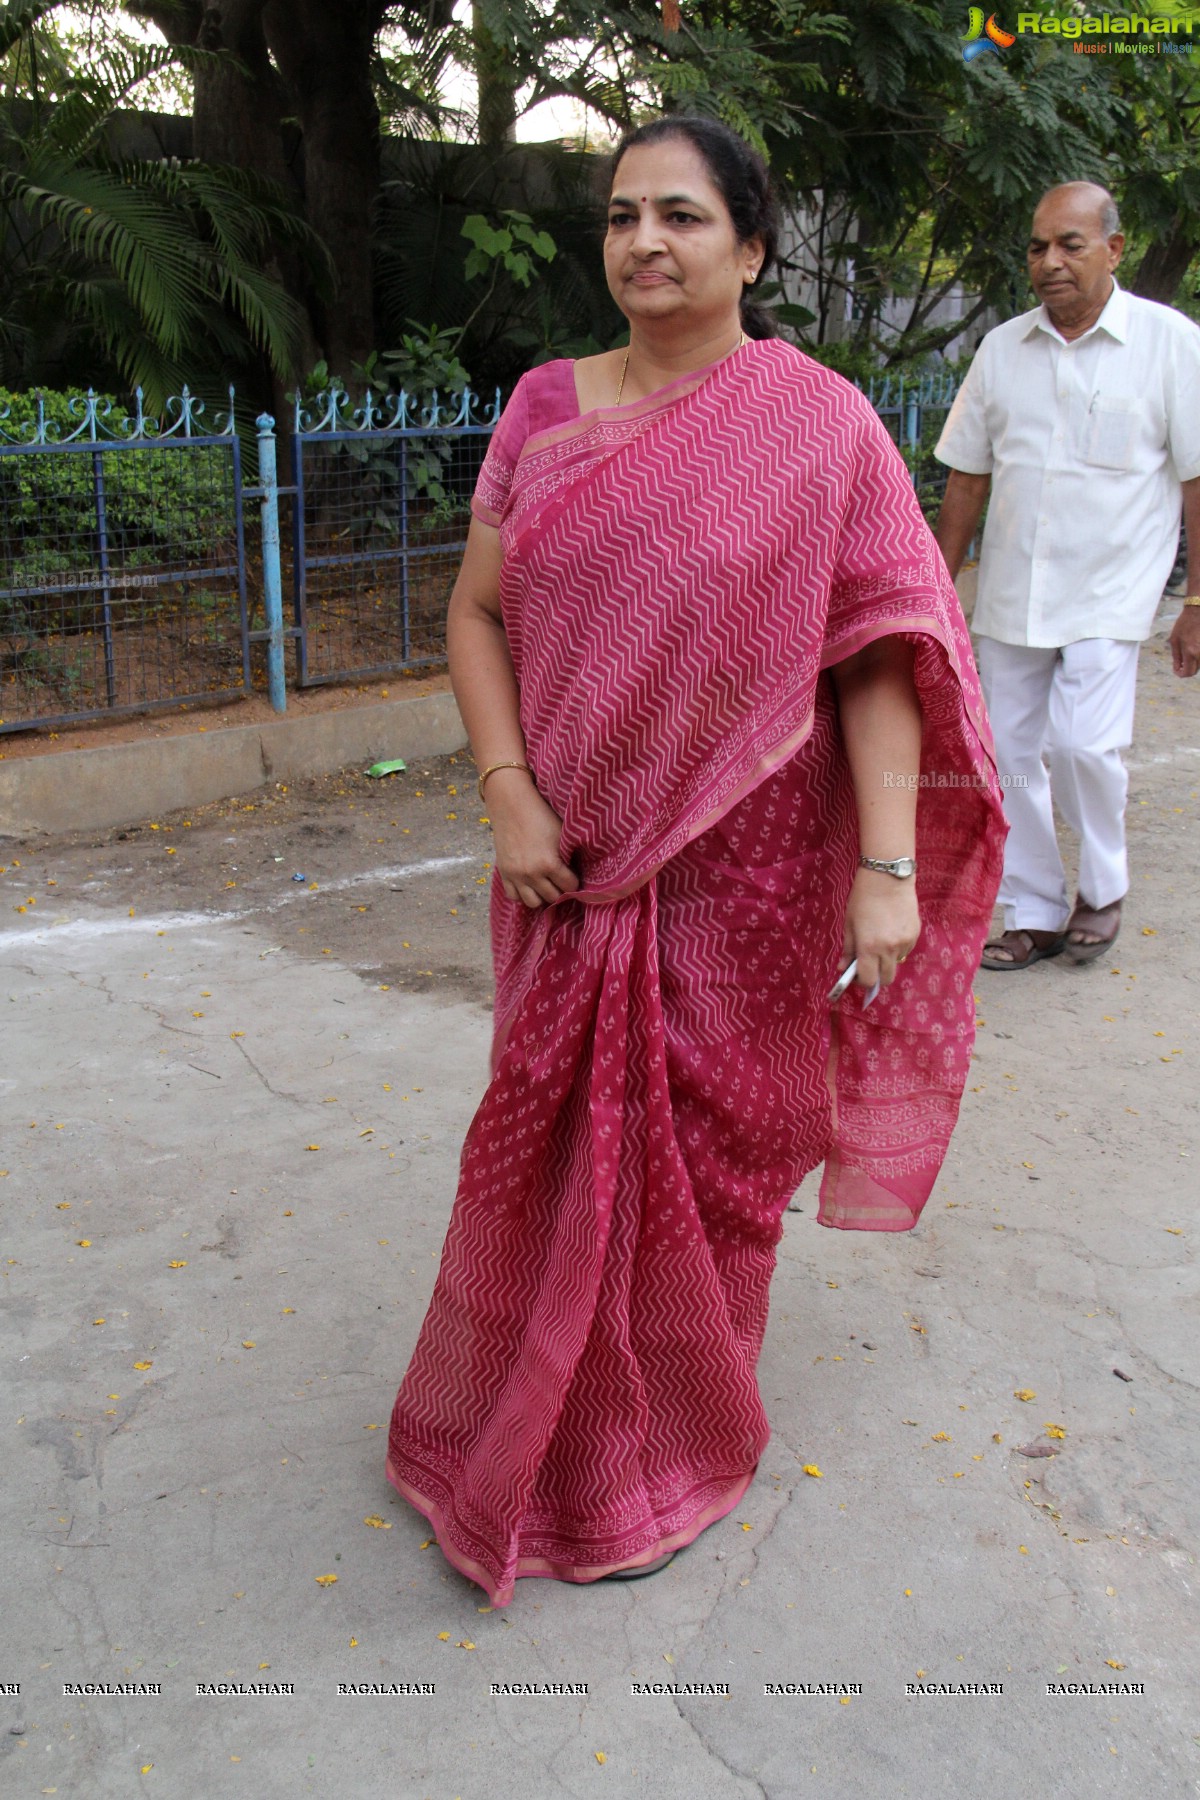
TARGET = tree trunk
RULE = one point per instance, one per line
(323, 52)
(308, 60)
(496, 86)
(237, 120)
(1165, 263)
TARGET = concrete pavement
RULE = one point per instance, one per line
(229, 1167)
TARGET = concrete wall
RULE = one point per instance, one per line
(120, 784)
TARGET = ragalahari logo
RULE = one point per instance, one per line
(985, 36)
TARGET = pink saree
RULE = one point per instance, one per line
(666, 1068)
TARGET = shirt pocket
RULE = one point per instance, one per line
(1111, 432)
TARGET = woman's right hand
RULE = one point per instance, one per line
(526, 832)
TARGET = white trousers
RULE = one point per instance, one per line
(1076, 704)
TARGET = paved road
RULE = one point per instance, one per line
(229, 1162)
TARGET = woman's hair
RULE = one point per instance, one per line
(740, 176)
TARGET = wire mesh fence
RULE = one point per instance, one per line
(125, 577)
(381, 510)
(122, 562)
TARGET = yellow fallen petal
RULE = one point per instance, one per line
(428, 1541)
(812, 1469)
(668, 1656)
(1113, 1664)
(97, 1321)
(324, 1580)
(1024, 1394)
(177, 1264)
(746, 1527)
(84, 1243)
(443, 1637)
(464, 1644)
(600, 1757)
(1054, 1431)
(844, 1700)
(312, 1146)
(143, 1365)
(249, 1344)
(354, 1643)
(378, 1523)
(941, 1437)
(1023, 1549)
(146, 1768)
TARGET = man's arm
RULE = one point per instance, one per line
(1185, 633)
(960, 514)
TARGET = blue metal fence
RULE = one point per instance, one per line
(122, 560)
(125, 582)
(914, 409)
(381, 504)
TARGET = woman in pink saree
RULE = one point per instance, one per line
(717, 680)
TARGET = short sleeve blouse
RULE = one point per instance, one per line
(543, 398)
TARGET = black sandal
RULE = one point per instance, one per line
(650, 1568)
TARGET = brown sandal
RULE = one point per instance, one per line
(1095, 920)
(1033, 946)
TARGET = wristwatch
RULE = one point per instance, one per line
(900, 866)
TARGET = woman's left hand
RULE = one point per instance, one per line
(882, 925)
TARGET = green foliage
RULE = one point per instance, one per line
(161, 272)
(494, 246)
(419, 472)
(430, 192)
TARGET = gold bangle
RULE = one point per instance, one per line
(1191, 600)
(491, 770)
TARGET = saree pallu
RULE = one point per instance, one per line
(677, 577)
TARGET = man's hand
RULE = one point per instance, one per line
(959, 518)
(1185, 641)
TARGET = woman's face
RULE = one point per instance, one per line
(671, 251)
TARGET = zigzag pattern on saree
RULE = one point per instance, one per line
(619, 686)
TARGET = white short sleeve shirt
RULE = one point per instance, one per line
(1086, 443)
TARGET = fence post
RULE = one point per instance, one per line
(912, 432)
(106, 586)
(268, 481)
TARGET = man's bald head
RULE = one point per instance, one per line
(1075, 243)
(1091, 195)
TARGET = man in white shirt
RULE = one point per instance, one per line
(1083, 418)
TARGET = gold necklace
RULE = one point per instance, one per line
(742, 341)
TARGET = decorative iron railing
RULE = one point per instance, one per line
(381, 505)
(122, 559)
(125, 581)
